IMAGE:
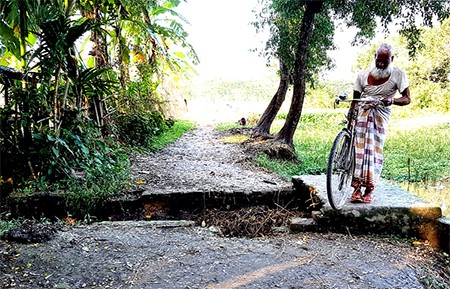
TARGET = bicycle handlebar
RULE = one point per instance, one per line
(365, 99)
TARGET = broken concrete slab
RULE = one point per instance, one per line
(303, 225)
(394, 211)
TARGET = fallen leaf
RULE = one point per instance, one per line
(69, 220)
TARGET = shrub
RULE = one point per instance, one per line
(139, 129)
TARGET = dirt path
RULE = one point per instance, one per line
(146, 255)
(138, 255)
(203, 160)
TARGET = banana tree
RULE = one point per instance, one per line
(55, 87)
(156, 44)
(139, 35)
(15, 26)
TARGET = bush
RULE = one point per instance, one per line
(139, 129)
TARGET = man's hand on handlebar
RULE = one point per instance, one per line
(388, 101)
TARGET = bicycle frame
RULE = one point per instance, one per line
(353, 115)
(341, 162)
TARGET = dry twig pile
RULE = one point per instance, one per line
(254, 221)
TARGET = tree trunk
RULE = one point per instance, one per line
(23, 30)
(123, 69)
(265, 122)
(286, 134)
(100, 52)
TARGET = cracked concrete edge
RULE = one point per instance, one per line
(217, 191)
(400, 211)
(148, 224)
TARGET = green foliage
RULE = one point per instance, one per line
(36, 149)
(321, 120)
(411, 153)
(282, 115)
(140, 96)
(92, 170)
(18, 122)
(312, 141)
(314, 138)
(426, 95)
(138, 129)
(284, 168)
(410, 15)
(155, 31)
(238, 90)
(283, 19)
(79, 156)
(226, 126)
(57, 127)
(432, 278)
(5, 226)
(416, 154)
(428, 73)
(169, 136)
(322, 95)
(102, 179)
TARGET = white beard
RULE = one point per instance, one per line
(378, 73)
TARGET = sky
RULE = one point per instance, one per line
(220, 32)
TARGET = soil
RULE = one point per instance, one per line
(205, 253)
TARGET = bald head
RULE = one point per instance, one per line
(385, 49)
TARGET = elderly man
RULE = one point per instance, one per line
(381, 83)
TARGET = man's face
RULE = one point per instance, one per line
(383, 68)
(382, 60)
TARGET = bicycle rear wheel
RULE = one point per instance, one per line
(341, 163)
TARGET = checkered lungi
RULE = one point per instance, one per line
(371, 129)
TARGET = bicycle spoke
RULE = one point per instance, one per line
(340, 170)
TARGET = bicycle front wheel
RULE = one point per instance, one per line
(341, 163)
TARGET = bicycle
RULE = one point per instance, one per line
(341, 160)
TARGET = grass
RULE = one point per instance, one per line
(419, 154)
(168, 137)
(313, 139)
(411, 154)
